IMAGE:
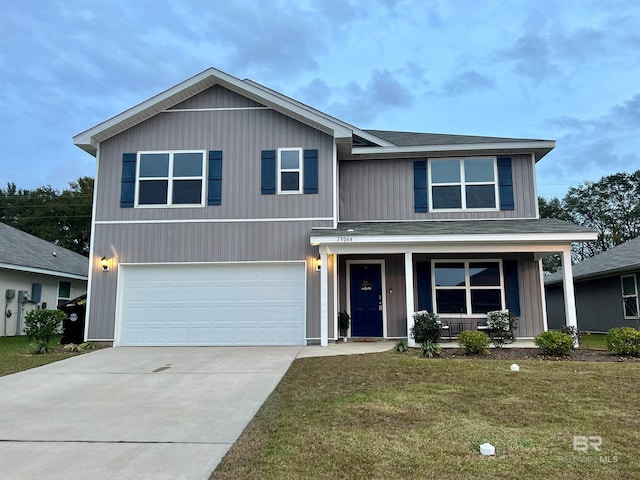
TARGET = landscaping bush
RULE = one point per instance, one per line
(501, 325)
(576, 334)
(554, 343)
(430, 349)
(426, 327)
(623, 341)
(41, 326)
(474, 342)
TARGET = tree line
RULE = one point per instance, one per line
(61, 217)
(610, 206)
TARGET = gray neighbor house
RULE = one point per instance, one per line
(606, 290)
(226, 213)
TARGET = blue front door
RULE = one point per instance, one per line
(366, 300)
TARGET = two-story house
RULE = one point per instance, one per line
(226, 213)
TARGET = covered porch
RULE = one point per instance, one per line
(383, 272)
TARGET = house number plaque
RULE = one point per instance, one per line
(345, 239)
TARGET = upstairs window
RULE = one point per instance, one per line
(463, 184)
(290, 170)
(174, 178)
(630, 296)
(468, 287)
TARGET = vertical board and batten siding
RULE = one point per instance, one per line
(599, 306)
(241, 135)
(216, 97)
(384, 190)
(198, 242)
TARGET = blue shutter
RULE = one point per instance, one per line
(268, 172)
(310, 171)
(423, 278)
(128, 187)
(214, 190)
(505, 183)
(420, 186)
(511, 286)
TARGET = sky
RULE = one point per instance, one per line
(565, 70)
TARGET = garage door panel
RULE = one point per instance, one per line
(215, 304)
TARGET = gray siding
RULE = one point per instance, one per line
(530, 321)
(216, 97)
(198, 242)
(383, 190)
(598, 305)
(241, 135)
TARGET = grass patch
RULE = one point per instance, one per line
(14, 357)
(593, 341)
(391, 415)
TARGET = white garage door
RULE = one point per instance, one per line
(212, 304)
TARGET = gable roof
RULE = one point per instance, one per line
(24, 252)
(617, 260)
(379, 143)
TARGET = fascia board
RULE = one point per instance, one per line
(528, 238)
(158, 103)
(42, 271)
(506, 146)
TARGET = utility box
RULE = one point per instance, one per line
(36, 292)
(10, 294)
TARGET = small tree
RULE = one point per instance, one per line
(426, 327)
(41, 326)
(501, 325)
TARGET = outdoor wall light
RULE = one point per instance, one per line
(104, 263)
(318, 263)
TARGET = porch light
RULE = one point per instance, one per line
(318, 263)
(104, 263)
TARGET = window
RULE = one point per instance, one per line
(64, 290)
(290, 170)
(170, 178)
(461, 184)
(630, 296)
(468, 287)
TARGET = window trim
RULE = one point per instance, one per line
(299, 170)
(468, 287)
(170, 179)
(463, 184)
(627, 296)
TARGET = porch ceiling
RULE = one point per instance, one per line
(541, 236)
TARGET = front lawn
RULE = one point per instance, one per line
(14, 357)
(391, 415)
(593, 341)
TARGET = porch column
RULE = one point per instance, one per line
(408, 279)
(571, 318)
(324, 298)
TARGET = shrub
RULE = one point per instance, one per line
(554, 343)
(81, 347)
(474, 342)
(426, 327)
(430, 349)
(501, 325)
(344, 320)
(402, 346)
(576, 334)
(41, 326)
(623, 341)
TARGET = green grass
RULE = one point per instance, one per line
(14, 356)
(593, 341)
(390, 415)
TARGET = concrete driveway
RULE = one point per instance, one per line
(134, 412)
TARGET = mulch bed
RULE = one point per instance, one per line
(580, 355)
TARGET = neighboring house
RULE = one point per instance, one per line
(34, 274)
(606, 290)
(230, 214)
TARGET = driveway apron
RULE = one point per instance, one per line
(134, 412)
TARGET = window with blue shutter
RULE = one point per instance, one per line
(511, 286)
(128, 187)
(310, 171)
(505, 183)
(214, 190)
(420, 186)
(268, 173)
